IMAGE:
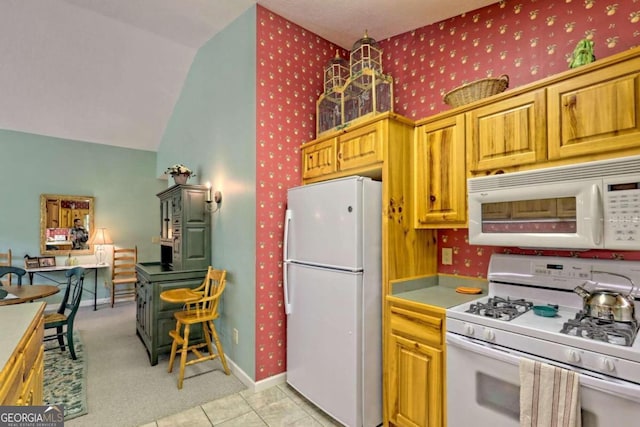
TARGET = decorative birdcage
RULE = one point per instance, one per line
(329, 105)
(368, 93)
(365, 54)
(336, 73)
(329, 111)
(361, 90)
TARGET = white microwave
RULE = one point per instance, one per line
(593, 205)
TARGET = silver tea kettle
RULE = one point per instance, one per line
(607, 304)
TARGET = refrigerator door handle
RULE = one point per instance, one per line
(285, 264)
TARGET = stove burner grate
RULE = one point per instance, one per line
(500, 308)
(610, 331)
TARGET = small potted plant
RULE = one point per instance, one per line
(180, 173)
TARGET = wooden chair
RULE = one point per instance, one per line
(8, 271)
(203, 312)
(5, 261)
(123, 273)
(63, 318)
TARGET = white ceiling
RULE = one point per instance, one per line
(110, 71)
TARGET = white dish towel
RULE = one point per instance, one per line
(549, 396)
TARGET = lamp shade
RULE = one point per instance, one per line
(101, 237)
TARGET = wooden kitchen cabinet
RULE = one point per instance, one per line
(357, 150)
(440, 174)
(414, 367)
(598, 112)
(583, 114)
(507, 133)
(21, 377)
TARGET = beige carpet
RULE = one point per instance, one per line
(123, 389)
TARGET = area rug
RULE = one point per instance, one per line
(65, 378)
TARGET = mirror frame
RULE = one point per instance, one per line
(43, 224)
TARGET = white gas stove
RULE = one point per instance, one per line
(503, 326)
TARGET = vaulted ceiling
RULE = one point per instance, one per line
(110, 71)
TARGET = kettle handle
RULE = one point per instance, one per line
(582, 291)
(633, 285)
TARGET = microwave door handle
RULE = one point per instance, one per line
(596, 214)
(588, 379)
(285, 263)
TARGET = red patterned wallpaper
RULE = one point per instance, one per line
(526, 39)
(289, 81)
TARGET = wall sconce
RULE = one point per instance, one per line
(217, 198)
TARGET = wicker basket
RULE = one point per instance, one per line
(474, 91)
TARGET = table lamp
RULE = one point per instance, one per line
(100, 238)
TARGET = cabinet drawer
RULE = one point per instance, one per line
(361, 147)
(418, 326)
(33, 347)
(319, 159)
(11, 386)
(32, 389)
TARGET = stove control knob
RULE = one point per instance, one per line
(468, 329)
(573, 356)
(607, 364)
(489, 335)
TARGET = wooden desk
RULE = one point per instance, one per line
(27, 293)
(40, 271)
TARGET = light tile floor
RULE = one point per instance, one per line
(274, 407)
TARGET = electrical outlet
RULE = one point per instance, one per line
(235, 336)
(447, 256)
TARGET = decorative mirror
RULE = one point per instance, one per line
(66, 224)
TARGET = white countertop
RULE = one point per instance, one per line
(14, 321)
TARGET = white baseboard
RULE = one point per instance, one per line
(89, 302)
(250, 383)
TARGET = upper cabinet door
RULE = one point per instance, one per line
(595, 112)
(319, 159)
(361, 147)
(440, 174)
(508, 133)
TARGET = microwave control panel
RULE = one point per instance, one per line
(622, 212)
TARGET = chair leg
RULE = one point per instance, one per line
(72, 348)
(174, 347)
(223, 359)
(183, 356)
(207, 337)
(60, 335)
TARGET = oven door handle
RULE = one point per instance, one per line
(593, 380)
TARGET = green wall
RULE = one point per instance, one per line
(121, 180)
(212, 131)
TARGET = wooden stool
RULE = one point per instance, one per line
(203, 311)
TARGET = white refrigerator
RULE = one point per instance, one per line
(332, 290)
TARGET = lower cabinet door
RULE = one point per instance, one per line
(415, 383)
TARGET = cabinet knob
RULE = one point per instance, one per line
(571, 101)
(432, 198)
